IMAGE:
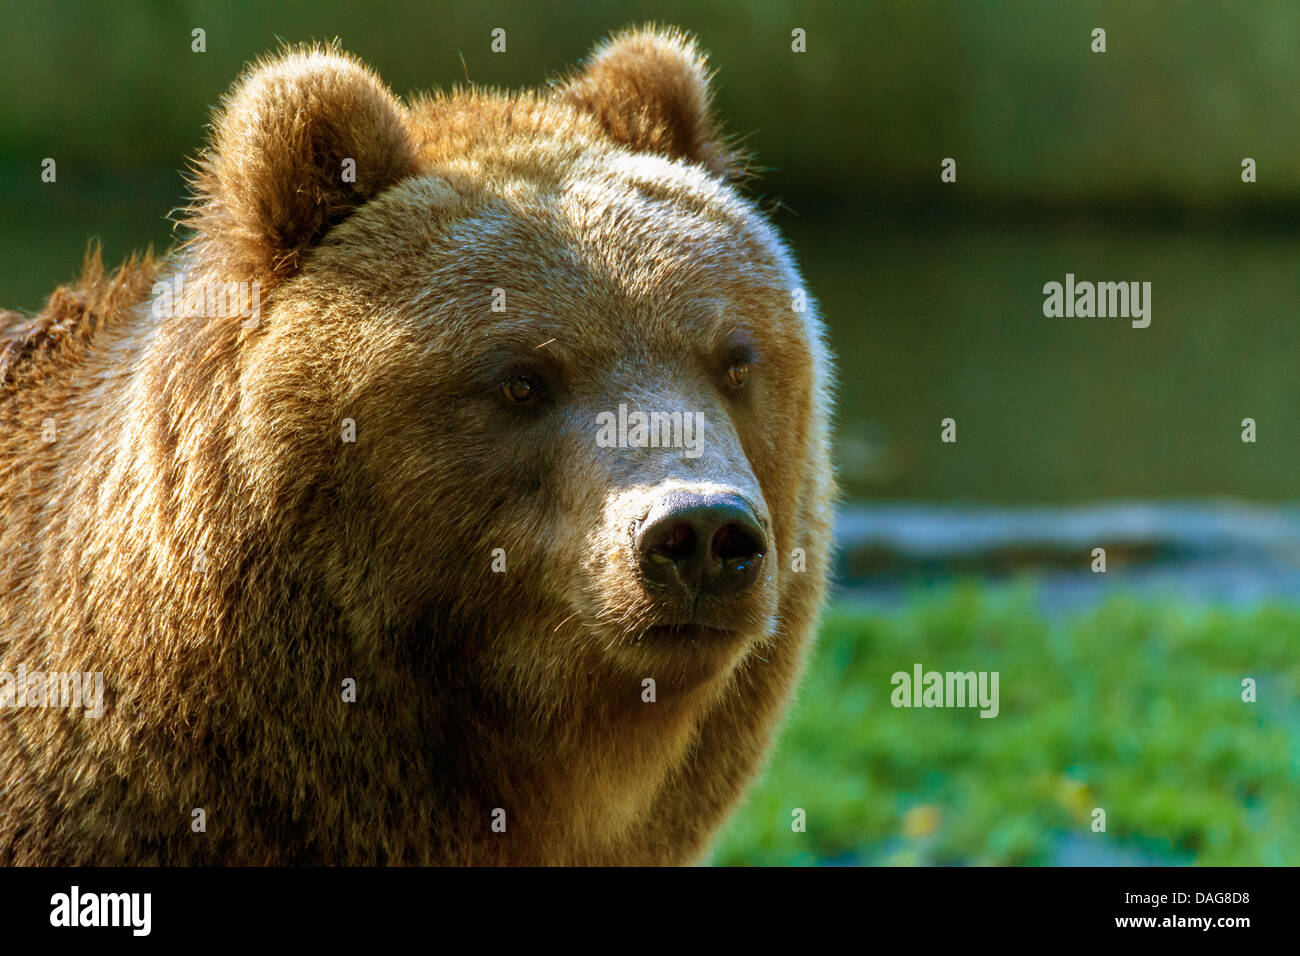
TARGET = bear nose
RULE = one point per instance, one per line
(711, 544)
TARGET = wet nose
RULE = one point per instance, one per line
(710, 544)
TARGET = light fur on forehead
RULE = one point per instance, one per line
(649, 88)
(272, 181)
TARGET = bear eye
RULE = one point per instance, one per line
(519, 390)
(738, 374)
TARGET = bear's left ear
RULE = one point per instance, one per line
(649, 89)
(298, 144)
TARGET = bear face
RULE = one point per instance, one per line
(619, 283)
(526, 439)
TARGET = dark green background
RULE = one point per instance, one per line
(1115, 166)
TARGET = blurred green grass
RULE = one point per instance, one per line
(1134, 707)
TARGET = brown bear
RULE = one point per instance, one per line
(457, 493)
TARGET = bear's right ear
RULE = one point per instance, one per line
(298, 144)
(649, 88)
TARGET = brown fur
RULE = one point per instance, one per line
(601, 207)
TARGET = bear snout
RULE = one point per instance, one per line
(699, 546)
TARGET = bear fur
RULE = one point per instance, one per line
(233, 519)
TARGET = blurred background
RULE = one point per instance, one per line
(1120, 690)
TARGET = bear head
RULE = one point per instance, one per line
(536, 396)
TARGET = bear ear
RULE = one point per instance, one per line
(300, 142)
(649, 89)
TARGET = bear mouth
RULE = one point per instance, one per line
(692, 633)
